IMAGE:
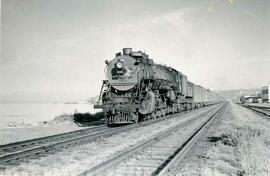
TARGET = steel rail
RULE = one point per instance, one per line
(53, 146)
(174, 160)
(15, 146)
(125, 154)
(262, 110)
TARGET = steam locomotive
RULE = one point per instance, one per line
(137, 89)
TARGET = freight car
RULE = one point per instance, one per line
(265, 94)
(137, 89)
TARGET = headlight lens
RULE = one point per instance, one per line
(119, 65)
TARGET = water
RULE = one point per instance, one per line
(36, 112)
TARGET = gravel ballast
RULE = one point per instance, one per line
(75, 160)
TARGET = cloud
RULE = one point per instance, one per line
(177, 18)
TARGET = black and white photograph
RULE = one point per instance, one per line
(135, 88)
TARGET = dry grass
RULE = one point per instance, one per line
(239, 145)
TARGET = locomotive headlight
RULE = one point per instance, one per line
(119, 65)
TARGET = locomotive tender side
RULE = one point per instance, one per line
(137, 89)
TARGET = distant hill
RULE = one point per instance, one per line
(233, 93)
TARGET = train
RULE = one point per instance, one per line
(265, 94)
(137, 89)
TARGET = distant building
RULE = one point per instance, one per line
(265, 94)
(252, 98)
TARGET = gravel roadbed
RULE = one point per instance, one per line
(75, 160)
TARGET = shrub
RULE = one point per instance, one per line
(87, 117)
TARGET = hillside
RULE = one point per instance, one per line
(233, 93)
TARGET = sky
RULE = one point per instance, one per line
(55, 49)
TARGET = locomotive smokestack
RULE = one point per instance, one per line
(127, 51)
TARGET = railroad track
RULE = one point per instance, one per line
(262, 110)
(160, 154)
(17, 149)
(13, 147)
(17, 152)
